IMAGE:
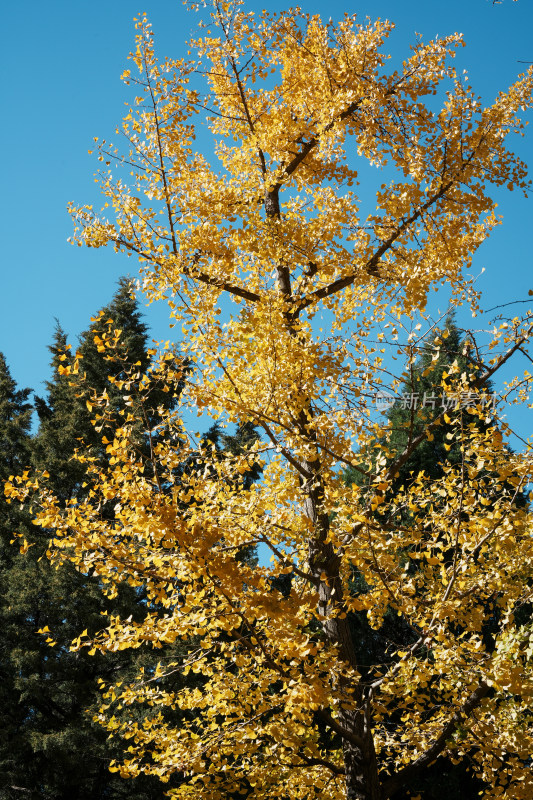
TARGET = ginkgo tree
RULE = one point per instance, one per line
(293, 297)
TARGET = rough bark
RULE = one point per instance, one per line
(361, 770)
(360, 762)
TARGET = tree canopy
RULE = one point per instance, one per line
(293, 297)
(50, 695)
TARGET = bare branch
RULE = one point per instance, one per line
(391, 785)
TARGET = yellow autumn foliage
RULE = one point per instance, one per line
(291, 295)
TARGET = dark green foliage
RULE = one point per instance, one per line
(66, 416)
(50, 746)
(58, 750)
(225, 446)
(63, 421)
(443, 780)
(243, 438)
(123, 315)
(15, 421)
(421, 401)
(54, 750)
(15, 450)
(130, 358)
(425, 393)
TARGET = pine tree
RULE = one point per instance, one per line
(228, 445)
(67, 751)
(15, 422)
(63, 421)
(15, 444)
(421, 399)
(67, 413)
(60, 752)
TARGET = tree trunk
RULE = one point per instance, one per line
(361, 771)
(360, 764)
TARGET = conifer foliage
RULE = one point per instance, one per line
(15, 422)
(421, 398)
(252, 253)
(51, 747)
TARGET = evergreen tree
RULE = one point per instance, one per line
(15, 448)
(15, 422)
(228, 445)
(422, 399)
(60, 752)
(63, 421)
(66, 416)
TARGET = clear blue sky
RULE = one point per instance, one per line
(61, 63)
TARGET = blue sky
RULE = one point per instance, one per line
(61, 63)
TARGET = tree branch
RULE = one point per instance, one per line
(217, 283)
(338, 728)
(372, 263)
(400, 461)
(392, 785)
